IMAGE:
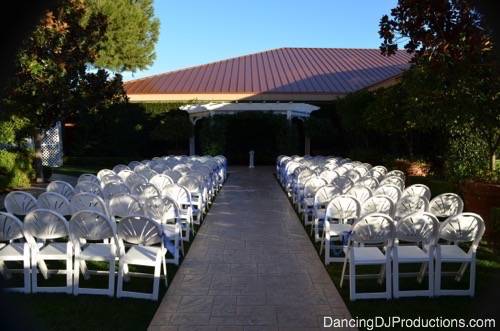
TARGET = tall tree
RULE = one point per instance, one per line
(50, 66)
(131, 34)
(53, 77)
(451, 41)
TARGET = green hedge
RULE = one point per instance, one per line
(16, 170)
(132, 129)
(235, 135)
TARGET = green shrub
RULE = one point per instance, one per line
(16, 170)
(467, 154)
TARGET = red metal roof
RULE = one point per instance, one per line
(280, 71)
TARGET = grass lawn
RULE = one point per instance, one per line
(483, 305)
(50, 311)
(75, 166)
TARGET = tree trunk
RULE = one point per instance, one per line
(493, 161)
(37, 139)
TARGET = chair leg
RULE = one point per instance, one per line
(322, 242)
(111, 281)
(164, 262)
(423, 269)
(69, 274)
(26, 273)
(76, 276)
(461, 271)
(381, 274)
(156, 281)
(431, 277)
(34, 274)
(437, 278)
(343, 272)
(352, 281)
(395, 279)
(388, 281)
(119, 285)
(472, 280)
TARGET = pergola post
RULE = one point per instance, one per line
(307, 145)
(192, 145)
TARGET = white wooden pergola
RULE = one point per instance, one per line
(290, 110)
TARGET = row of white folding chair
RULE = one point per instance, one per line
(377, 240)
(136, 183)
(330, 204)
(130, 179)
(122, 205)
(50, 237)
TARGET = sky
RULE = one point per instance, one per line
(194, 32)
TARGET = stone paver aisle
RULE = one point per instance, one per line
(251, 266)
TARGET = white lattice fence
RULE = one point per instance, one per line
(52, 147)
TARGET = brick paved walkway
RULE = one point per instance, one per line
(251, 266)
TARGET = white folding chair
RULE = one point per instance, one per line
(166, 212)
(145, 171)
(89, 178)
(182, 198)
(370, 243)
(397, 173)
(343, 182)
(464, 228)
(44, 229)
(133, 164)
(114, 188)
(54, 201)
(420, 190)
(446, 205)
(321, 200)
(390, 190)
(19, 203)
(111, 178)
(135, 179)
(63, 188)
(124, 174)
(90, 187)
(409, 204)
(341, 212)
(13, 247)
(93, 236)
(123, 205)
(378, 204)
(144, 237)
(88, 201)
(120, 167)
(144, 191)
(360, 192)
(313, 184)
(195, 189)
(353, 175)
(393, 180)
(416, 237)
(369, 182)
(161, 181)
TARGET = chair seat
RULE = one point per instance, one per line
(98, 251)
(53, 250)
(141, 255)
(12, 251)
(411, 254)
(452, 253)
(368, 255)
(337, 229)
